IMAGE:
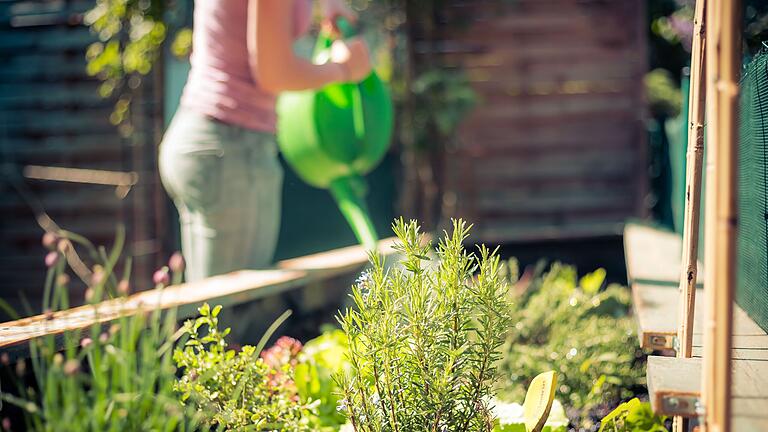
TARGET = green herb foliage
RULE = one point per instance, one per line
(633, 416)
(120, 379)
(239, 390)
(424, 339)
(580, 330)
(320, 360)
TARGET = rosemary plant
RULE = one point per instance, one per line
(424, 338)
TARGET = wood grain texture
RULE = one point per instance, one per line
(679, 376)
(232, 288)
(561, 108)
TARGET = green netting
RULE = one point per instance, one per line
(752, 276)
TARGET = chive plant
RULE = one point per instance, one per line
(118, 377)
(424, 337)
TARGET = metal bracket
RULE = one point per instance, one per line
(660, 341)
(681, 404)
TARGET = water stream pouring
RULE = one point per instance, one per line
(333, 136)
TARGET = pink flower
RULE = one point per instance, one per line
(51, 259)
(123, 288)
(161, 277)
(176, 263)
(284, 352)
(49, 240)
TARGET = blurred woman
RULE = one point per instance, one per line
(218, 159)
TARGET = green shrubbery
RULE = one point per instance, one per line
(436, 343)
(235, 390)
(633, 416)
(424, 340)
(578, 329)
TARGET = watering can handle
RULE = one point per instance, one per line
(345, 27)
(347, 30)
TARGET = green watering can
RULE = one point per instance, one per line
(335, 135)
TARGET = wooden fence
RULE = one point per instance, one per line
(51, 115)
(555, 148)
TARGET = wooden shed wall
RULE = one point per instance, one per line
(52, 115)
(555, 148)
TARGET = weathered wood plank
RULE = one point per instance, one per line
(233, 288)
(668, 376)
(657, 309)
(653, 254)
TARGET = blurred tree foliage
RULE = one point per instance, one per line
(663, 93)
(131, 35)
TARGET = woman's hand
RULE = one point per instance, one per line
(332, 9)
(353, 57)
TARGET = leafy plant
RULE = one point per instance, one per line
(510, 418)
(235, 390)
(425, 337)
(120, 379)
(633, 416)
(320, 360)
(580, 330)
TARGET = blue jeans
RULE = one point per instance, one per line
(226, 182)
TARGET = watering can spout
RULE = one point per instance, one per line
(349, 193)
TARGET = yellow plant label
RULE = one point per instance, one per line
(538, 401)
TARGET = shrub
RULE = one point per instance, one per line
(235, 390)
(320, 360)
(578, 329)
(633, 416)
(424, 339)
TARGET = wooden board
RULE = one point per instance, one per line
(559, 109)
(653, 267)
(674, 376)
(233, 288)
(656, 308)
(653, 255)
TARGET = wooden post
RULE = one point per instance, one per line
(693, 176)
(694, 157)
(723, 60)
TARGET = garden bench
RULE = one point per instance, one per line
(653, 268)
(308, 273)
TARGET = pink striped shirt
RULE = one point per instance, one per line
(220, 83)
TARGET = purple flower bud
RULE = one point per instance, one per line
(6, 424)
(51, 259)
(86, 342)
(176, 263)
(97, 277)
(161, 277)
(71, 367)
(123, 288)
(49, 240)
(114, 328)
